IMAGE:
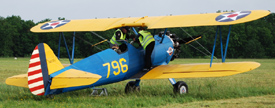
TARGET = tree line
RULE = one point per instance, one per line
(247, 40)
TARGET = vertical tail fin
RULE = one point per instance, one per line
(43, 62)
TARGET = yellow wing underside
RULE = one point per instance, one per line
(200, 70)
(150, 22)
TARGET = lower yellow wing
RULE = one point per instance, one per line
(200, 70)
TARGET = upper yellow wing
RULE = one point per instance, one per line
(199, 70)
(208, 19)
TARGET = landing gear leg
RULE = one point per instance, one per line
(179, 87)
(132, 86)
(172, 81)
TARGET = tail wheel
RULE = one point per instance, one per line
(180, 88)
(131, 87)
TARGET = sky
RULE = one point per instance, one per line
(38, 10)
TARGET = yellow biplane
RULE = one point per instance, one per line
(46, 75)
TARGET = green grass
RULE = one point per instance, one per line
(267, 101)
(154, 93)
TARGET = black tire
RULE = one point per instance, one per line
(131, 87)
(180, 88)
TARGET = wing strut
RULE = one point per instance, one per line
(227, 41)
(70, 59)
(223, 52)
(213, 51)
(133, 28)
(163, 35)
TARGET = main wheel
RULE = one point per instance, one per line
(180, 88)
(131, 87)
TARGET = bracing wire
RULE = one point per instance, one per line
(180, 28)
(199, 44)
(198, 50)
(88, 43)
(100, 36)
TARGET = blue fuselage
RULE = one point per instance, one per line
(114, 67)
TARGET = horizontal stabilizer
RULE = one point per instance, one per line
(73, 78)
(18, 80)
(200, 70)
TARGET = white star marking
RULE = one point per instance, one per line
(232, 16)
(54, 24)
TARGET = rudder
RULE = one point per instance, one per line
(43, 62)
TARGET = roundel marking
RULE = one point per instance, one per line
(227, 17)
(54, 24)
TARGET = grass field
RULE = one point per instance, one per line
(255, 88)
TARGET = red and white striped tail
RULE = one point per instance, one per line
(35, 77)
